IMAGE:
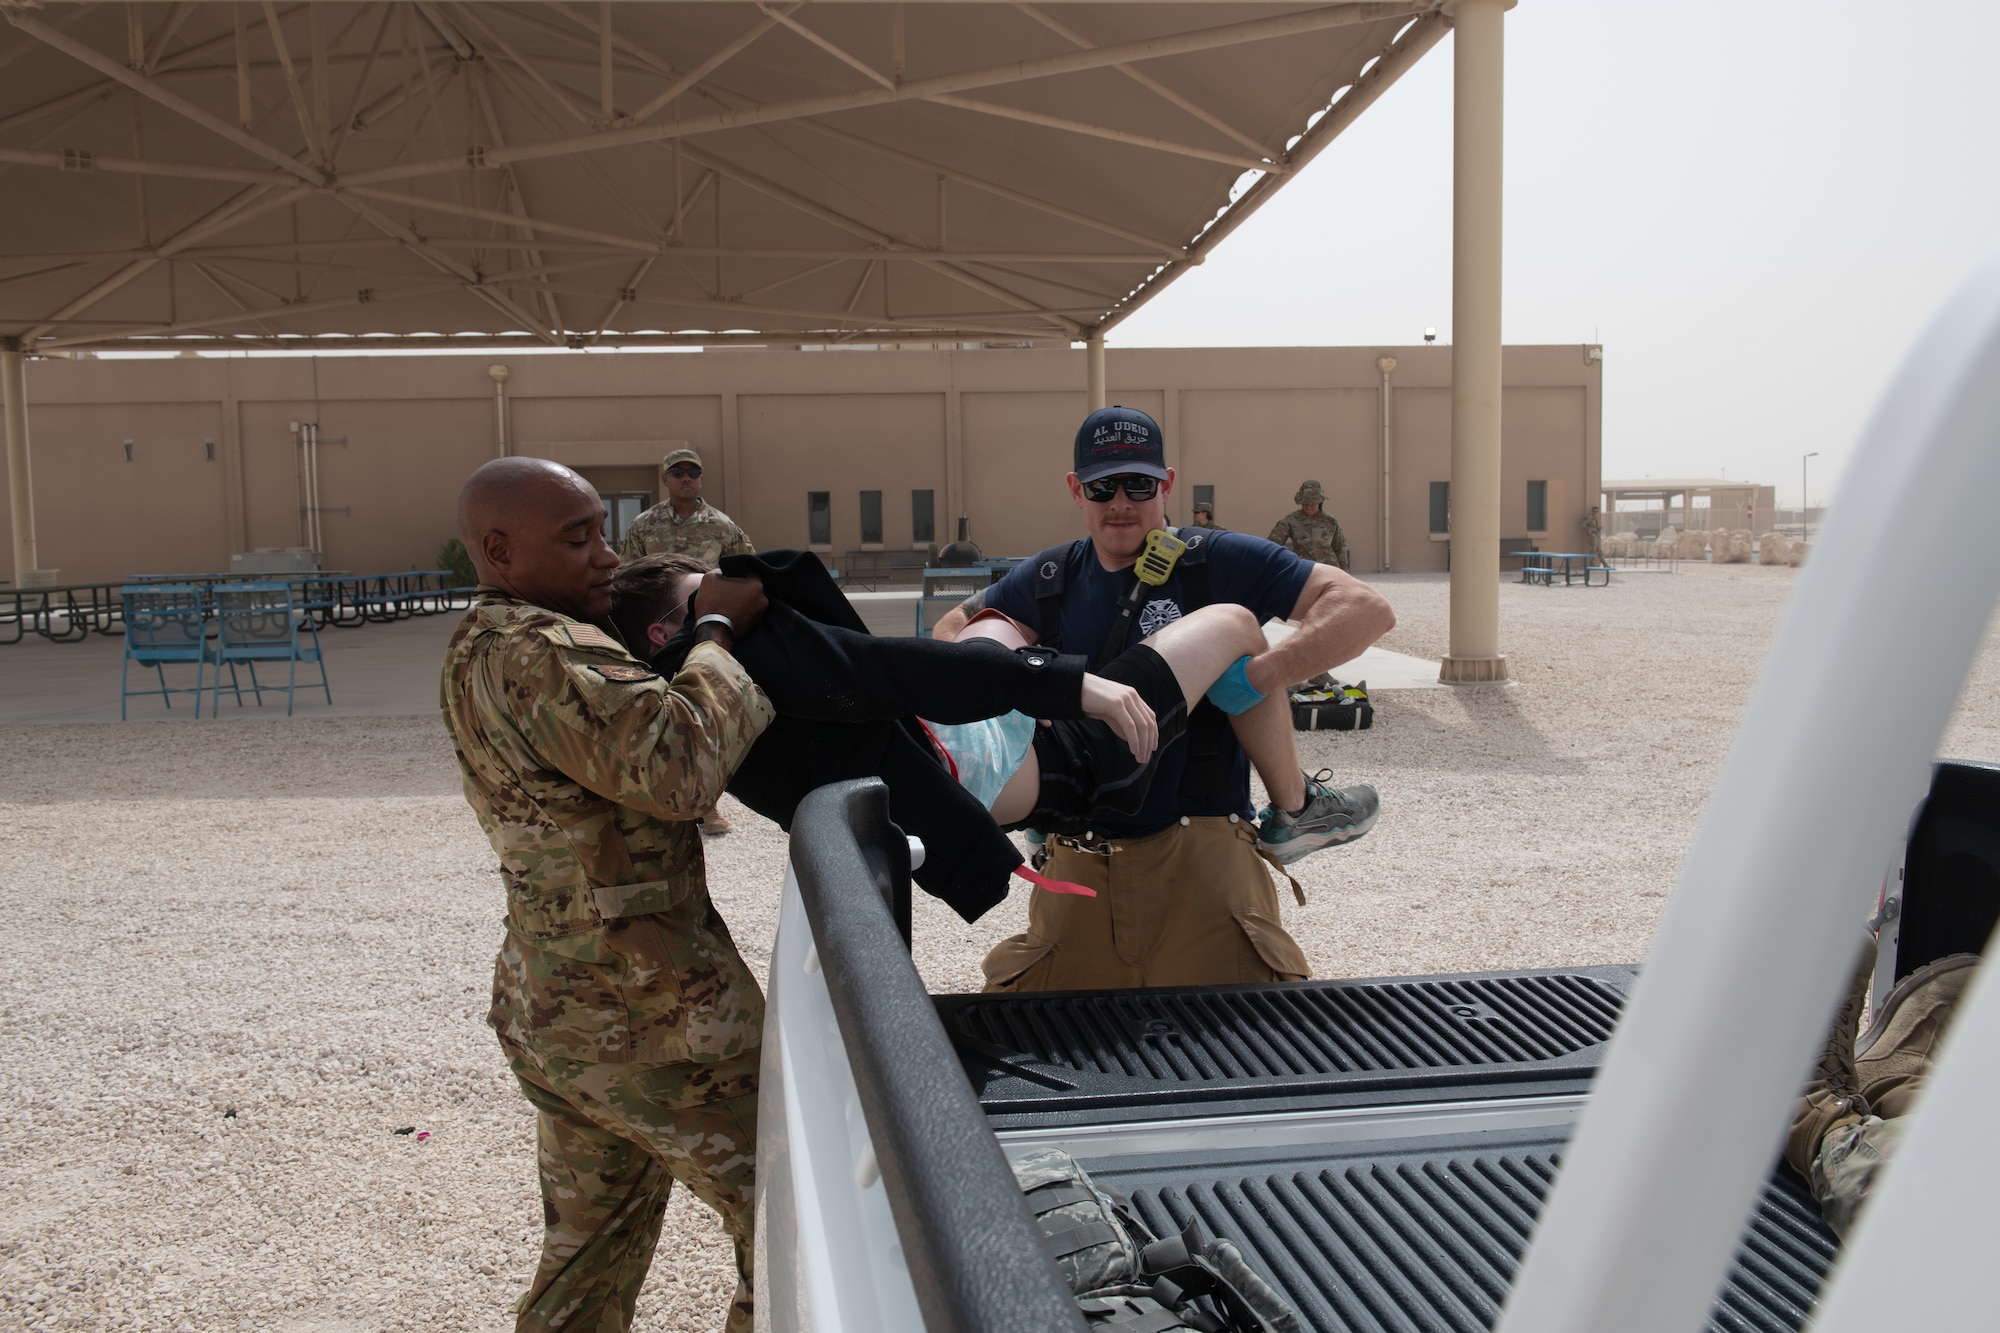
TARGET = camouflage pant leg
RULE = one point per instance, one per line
(1844, 1170)
(613, 1138)
(700, 1121)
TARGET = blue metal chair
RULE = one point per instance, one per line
(164, 622)
(263, 622)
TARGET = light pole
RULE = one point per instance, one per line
(1805, 528)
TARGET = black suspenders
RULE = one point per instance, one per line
(1207, 777)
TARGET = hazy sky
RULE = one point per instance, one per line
(1755, 207)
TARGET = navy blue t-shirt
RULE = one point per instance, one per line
(1243, 569)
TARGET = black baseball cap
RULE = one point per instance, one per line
(1119, 440)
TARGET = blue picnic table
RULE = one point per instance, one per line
(1543, 566)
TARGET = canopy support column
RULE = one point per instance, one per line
(1477, 107)
(20, 484)
(1387, 364)
(1093, 351)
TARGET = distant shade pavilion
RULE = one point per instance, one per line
(1729, 504)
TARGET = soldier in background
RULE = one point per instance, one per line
(1593, 536)
(1204, 517)
(686, 524)
(624, 1010)
(1309, 533)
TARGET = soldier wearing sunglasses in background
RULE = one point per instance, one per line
(1183, 895)
(686, 524)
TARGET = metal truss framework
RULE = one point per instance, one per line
(712, 171)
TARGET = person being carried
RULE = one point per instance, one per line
(1110, 754)
(847, 705)
(1183, 896)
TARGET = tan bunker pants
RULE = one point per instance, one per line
(1190, 906)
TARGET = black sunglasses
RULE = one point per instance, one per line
(684, 471)
(1136, 488)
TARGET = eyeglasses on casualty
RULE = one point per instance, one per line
(1137, 488)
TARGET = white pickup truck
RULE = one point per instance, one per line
(1563, 1150)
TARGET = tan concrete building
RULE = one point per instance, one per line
(175, 465)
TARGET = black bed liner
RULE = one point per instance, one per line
(1424, 1235)
(1367, 1230)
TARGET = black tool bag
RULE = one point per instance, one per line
(1324, 704)
(1126, 1279)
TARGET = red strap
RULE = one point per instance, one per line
(943, 754)
(1054, 885)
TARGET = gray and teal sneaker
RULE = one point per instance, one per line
(1332, 815)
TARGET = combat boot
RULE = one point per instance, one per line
(1892, 1058)
(1833, 1097)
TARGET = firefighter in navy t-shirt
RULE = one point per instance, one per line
(1183, 895)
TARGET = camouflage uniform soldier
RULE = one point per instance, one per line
(684, 523)
(1593, 535)
(624, 1010)
(1309, 533)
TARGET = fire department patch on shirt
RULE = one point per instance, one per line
(1159, 613)
(625, 671)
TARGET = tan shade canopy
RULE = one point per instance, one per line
(588, 173)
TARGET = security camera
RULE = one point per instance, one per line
(1430, 335)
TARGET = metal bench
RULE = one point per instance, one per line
(872, 567)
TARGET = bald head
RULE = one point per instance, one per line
(498, 494)
(536, 529)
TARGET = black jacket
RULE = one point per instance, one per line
(847, 707)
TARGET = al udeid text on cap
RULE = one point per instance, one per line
(1120, 440)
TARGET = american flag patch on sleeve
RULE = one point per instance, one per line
(589, 636)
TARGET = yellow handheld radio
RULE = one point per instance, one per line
(1154, 567)
(1156, 562)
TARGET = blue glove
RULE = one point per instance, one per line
(1232, 691)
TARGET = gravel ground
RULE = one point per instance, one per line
(236, 958)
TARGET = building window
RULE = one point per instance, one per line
(923, 517)
(1538, 506)
(1204, 498)
(623, 510)
(819, 518)
(1440, 507)
(871, 518)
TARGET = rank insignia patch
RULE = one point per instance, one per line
(624, 671)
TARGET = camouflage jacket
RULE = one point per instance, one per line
(707, 534)
(1312, 536)
(587, 770)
